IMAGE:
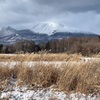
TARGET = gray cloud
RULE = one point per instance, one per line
(82, 14)
(72, 5)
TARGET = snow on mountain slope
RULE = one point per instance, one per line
(46, 27)
(51, 28)
(6, 31)
(8, 35)
(70, 29)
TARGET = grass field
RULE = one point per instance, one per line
(83, 77)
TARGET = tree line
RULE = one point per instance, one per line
(24, 46)
(84, 45)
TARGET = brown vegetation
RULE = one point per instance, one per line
(84, 77)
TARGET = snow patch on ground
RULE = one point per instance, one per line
(55, 63)
(23, 93)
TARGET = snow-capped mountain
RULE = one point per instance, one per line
(46, 27)
(51, 27)
(41, 32)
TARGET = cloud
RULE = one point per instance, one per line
(82, 14)
(72, 5)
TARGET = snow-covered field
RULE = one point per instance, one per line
(34, 63)
(55, 63)
(23, 93)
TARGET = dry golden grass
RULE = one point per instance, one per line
(84, 77)
(4, 73)
(80, 78)
(96, 55)
(53, 98)
(40, 57)
(46, 75)
(40, 75)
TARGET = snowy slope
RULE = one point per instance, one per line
(46, 27)
(8, 35)
(50, 28)
(7, 31)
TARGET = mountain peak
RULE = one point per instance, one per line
(46, 27)
(52, 27)
(9, 28)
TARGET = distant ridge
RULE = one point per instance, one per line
(41, 32)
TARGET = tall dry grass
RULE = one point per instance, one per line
(84, 77)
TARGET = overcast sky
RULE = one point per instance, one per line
(20, 14)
